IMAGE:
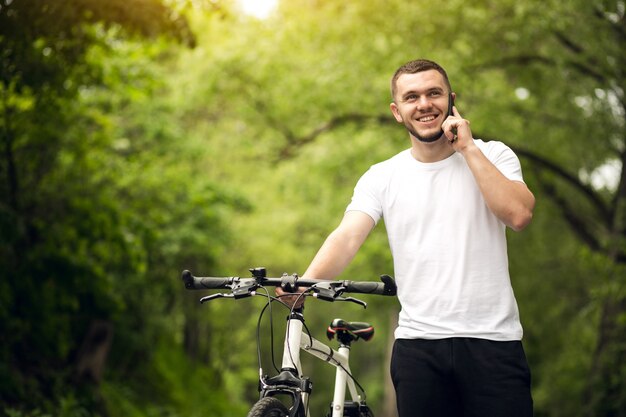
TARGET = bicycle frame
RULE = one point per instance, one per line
(295, 340)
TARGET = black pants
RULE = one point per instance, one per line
(462, 377)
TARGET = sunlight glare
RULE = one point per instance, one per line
(258, 8)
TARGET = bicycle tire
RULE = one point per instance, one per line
(268, 407)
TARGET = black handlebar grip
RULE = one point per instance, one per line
(365, 287)
(390, 285)
(205, 283)
(386, 287)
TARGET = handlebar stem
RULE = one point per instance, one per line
(289, 282)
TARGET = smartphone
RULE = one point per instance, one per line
(450, 104)
(450, 113)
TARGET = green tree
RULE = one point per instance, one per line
(97, 214)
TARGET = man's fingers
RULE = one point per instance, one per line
(449, 129)
(455, 125)
(291, 299)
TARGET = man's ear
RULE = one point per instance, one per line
(396, 112)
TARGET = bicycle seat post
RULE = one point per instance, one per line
(341, 378)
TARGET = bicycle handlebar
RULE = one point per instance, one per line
(289, 283)
(386, 287)
(206, 283)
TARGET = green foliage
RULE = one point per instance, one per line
(176, 386)
(97, 212)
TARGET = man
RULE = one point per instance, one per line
(446, 203)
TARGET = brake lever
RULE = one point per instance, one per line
(214, 296)
(325, 294)
(244, 291)
(330, 291)
(353, 300)
(238, 291)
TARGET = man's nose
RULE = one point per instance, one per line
(423, 103)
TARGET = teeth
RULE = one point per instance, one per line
(426, 119)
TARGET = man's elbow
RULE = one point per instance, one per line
(521, 220)
(522, 217)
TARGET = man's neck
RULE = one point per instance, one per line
(430, 152)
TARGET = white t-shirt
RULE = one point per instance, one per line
(449, 249)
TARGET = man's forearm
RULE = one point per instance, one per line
(340, 247)
(331, 259)
(511, 201)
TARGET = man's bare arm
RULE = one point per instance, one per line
(510, 201)
(341, 246)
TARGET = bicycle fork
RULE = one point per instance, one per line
(290, 381)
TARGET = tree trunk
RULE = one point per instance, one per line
(606, 390)
(93, 351)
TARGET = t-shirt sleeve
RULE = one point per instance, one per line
(366, 197)
(505, 160)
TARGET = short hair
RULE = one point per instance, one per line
(415, 66)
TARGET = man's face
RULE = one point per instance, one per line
(421, 104)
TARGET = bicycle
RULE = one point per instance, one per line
(290, 384)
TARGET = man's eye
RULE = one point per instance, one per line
(411, 97)
(435, 93)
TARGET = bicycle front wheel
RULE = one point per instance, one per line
(268, 407)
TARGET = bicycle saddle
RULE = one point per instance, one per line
(354, 329)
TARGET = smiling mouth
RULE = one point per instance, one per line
(426, 119)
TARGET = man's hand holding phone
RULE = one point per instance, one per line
(457, 130)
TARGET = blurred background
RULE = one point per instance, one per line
(142, 137)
